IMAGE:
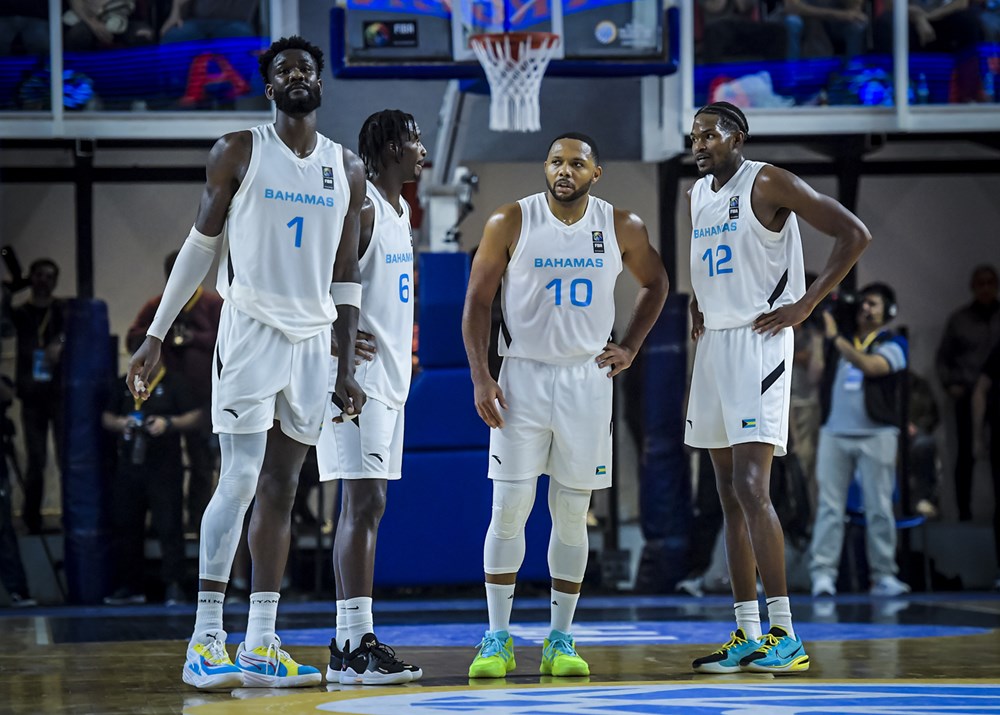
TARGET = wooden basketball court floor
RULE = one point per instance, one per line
(936, 653)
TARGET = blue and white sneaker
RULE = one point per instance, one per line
(208, 664)
(271, 667)
(727, 658)
(777, 652)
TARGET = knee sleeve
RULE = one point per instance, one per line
(222, 524)
(568, 545)
(503, 551)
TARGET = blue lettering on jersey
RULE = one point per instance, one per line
(399, 257)
(569, 263)
(299, 198)
(714, 230)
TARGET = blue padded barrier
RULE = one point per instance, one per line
(443, 278)
(441, 412)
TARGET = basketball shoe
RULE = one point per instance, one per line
(495, 657)
(727, 658)
(337, 658)
(559, 656)
(374, 663)
(777, 652)
(271, 667)
(208, 665)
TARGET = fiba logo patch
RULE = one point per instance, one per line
(328, 177)
(598, 239)
(734, 207)
(606, 32)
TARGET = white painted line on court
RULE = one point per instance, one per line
(43, 636)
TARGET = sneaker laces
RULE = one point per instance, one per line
(562, 645)
(491, 645)
(767, 642)
(385, 654)
(734, 640)
(217, 651)
(279, 654)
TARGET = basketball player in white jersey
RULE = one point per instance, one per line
(749, 290)
(367, 452)
(559, 254)
(282, 202)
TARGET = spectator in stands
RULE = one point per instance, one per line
(986, 413)
(969, 335)
(11, 568)
(862, 414)
(842, 23)
(39, 324)
(941, 26)
(150, 476)
(924, 463)
(732, 30)
(209, 19)
(92, 24)
(188, 350)
(989, 18)
(24, 26)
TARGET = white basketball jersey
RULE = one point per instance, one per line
(282, 235)
(387, 304)
(739, 268)
(558, 293)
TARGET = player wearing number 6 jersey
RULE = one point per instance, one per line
(749, 290)
(559, 254)
(282, 202)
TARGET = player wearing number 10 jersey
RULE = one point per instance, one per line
(749, 290)
(559, 254)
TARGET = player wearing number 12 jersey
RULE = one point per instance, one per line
(749, 290)
(558, 254)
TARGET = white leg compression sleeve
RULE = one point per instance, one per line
(568, 544)
(504, 548)
(222, 524)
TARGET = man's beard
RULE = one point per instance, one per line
(572, 197)
(298, 107)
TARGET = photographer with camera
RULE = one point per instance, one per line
(862, 414)
(149, 476)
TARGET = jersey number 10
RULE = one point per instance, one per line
(576, 287)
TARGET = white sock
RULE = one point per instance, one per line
(263, 614)
(563, 610)
(342, 633)
(779, 613)
(208, 617)
(499, 603)
(358, 614)
(748, 618)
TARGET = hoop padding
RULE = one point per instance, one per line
(515, 63)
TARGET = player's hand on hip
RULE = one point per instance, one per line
(140, 367)
(364, 347)
(777, 320)
(349, 396)
(697, 323)
(488, 396)
(616, 357)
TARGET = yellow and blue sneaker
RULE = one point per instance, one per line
(777, 652)
(559, 656)
(271, 667)
(495, 657)
(208, 664)
(727, 658)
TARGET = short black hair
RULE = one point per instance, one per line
(886, 293)
(389, 125)
(730, 116)
(295, 42)
(39, 263)
(589, 141)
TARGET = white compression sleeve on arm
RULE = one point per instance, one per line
(190, 269)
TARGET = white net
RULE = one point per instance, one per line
(515, 63)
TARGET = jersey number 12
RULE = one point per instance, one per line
(723, 255)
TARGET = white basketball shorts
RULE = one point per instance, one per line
(558, 422)
(367, 447)
(260, 376)
(740, 389)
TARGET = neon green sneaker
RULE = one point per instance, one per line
(559, 656)
(496, 656)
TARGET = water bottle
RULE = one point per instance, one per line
(923, 91)
(139, 438)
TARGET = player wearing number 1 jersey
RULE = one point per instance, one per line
(282, 202)
(749, 290)
(559, 254)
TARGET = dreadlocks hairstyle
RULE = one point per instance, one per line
(295, 42)
(580, 138)
(730, 116)
(389, 125)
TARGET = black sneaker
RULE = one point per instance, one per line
(373, 663)
(337, 658)
(19, 601)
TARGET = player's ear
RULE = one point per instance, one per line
(269, 91)
(319, 83)
(597, 175)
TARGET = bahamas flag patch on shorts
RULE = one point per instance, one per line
(601, 470)
(750, 423)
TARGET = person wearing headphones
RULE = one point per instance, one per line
(862, 413)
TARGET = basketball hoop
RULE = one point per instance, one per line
(515, 63)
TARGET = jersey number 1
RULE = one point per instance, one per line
(297, 223)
